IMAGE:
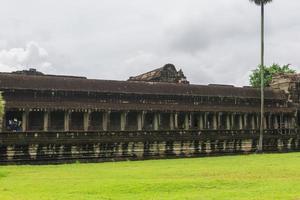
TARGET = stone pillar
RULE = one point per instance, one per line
(46, 121)
(281, 121)
(265, 121)
(156, 121)
(286, 121)
(205, 121)
(25, 121)
(215, 123)
(159, 121)
(105, 120)
(186, 121)
(171, 121)
(123, 121)
(200, 122)
(270, 125)
(140, 120)
(228, 127)
(276, 126)
(191, 120)
(253, 121)
(246, 125)
(240, 122)
(219, 123)
(176, 120)
(293, 121)
(233, 125)
(86, 120)
(67, 121)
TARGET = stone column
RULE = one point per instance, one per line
(205, 121)
(67, 121)
(171, 121)
(176, 120)
(286, 121)
(46, 121)
(281, 121)
(156, 121)
(123, 120)
(293, 121)
(105, 120)
(240, 122)
(215, 123)
(275, 121)
(219, 123)
(233, 125)
(186, 121)
(191, 120)
(246, 121)
(140, 120)
(25, 120)
(253, 121)
(200, 121)
(228, 121)
(86, 120)
(265, 121)
(159, 121)
(270, 121)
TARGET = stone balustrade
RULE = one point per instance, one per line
(91, 146)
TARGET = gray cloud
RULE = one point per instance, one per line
(31, 56)
(212, 41)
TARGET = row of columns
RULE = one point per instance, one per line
(205, 120)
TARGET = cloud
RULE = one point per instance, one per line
(212, 41)
(32, 56)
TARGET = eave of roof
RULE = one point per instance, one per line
(72, 105)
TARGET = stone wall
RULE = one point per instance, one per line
(64, 147)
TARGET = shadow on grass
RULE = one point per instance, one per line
(3, 174)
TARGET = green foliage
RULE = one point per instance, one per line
(2, 104)
(269, 72)
(252, 177)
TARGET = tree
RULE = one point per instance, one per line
(261, 129)
(269, 72)
(2, 103)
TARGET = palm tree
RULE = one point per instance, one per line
(261, 3)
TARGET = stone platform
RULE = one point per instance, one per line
(66, 147)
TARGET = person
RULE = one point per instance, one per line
(14, 125)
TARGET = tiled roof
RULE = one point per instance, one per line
(67, 83)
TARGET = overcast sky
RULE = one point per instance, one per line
(212, 41)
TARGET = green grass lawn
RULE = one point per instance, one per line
(271, 176)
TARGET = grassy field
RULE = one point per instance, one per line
(272, 176)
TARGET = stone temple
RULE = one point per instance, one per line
(53, 118)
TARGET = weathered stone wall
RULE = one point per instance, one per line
(63, 147)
